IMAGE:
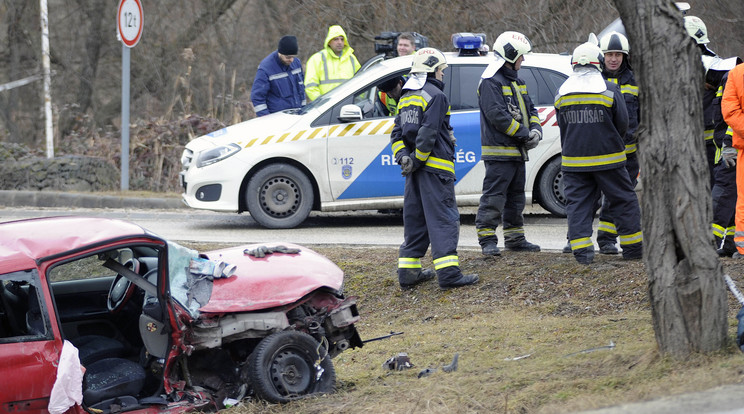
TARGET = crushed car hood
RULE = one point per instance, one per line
(274, 280)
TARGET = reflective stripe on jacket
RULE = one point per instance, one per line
(325, 70)
(501, 133)
(422, 128)
(592, 129)
(629, 88)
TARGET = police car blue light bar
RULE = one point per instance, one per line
(468, 43)
(468, 40)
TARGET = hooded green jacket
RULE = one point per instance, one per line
(325, 70)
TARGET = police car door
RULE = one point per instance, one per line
(462, 83)
(360, 162)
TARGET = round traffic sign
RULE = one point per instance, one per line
(129, 21)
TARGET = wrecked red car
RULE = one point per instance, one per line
(158, 327)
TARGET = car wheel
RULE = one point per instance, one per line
(552, 197)
(289, 365)
(279, 196)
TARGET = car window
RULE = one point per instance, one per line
(533, 87)
(86, 268)
(464, 91)
(365, 99)
(23, 315)
(551, 81)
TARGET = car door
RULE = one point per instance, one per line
(29, 352)
(462, 84)
(360, 161)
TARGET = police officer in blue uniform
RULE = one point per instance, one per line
(423, 146)
(509, 128)
(593, 120)
(278, 84)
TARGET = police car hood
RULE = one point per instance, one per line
(244, 131)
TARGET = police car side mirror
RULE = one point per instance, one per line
(350, 113)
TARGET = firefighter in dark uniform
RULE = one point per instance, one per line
(617, 70)
(724, 182)
(696, 28)
(423, 146)
(509, 128)
(593, 120)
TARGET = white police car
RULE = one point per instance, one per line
(334, 154)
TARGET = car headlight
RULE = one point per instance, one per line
(216, 155)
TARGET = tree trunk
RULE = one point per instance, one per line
(686, 286)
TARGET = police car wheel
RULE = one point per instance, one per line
(279, 196)
(550, 186)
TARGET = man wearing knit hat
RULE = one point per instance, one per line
(279, 80)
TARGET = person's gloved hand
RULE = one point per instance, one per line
(406, 165)
(453, 140)
(728, 155)
(514, 111)
(534, 139)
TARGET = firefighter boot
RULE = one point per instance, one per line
(584, 255)
(608, 248)
(728, 249)
(522, 246)
(463, 280)
(490, 249)
(567, 248)
(409, 278)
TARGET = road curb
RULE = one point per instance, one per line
(12, 198)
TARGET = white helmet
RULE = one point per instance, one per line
(696, 29)
(427, 60)
(587, 54)
(614, 42)
(511, 45)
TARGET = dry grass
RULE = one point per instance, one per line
(542, 305)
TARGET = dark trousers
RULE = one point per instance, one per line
(430, 216)
(582, 190)
(503, 199)
(724, 202)
(607, 232)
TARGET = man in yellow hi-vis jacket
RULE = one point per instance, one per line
(331, 66)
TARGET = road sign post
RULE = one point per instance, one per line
(129, 22)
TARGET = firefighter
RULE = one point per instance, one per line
(732, 108)
(331, 66)
(593, 120)
(509, 128)
(724, 183)
(422, 144)
(616, 51)
(697, 30)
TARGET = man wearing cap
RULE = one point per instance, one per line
(279, 80)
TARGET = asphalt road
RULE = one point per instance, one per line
(346, 228)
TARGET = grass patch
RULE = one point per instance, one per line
(519, 334)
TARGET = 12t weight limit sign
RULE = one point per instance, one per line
(129, 20)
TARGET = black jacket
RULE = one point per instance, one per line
(592, 129)
(422, 129)
(501, 134)
(629, 88)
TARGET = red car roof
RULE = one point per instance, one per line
(23, 241)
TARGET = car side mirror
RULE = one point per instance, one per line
(350, 113)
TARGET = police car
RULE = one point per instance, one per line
(334, 154)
